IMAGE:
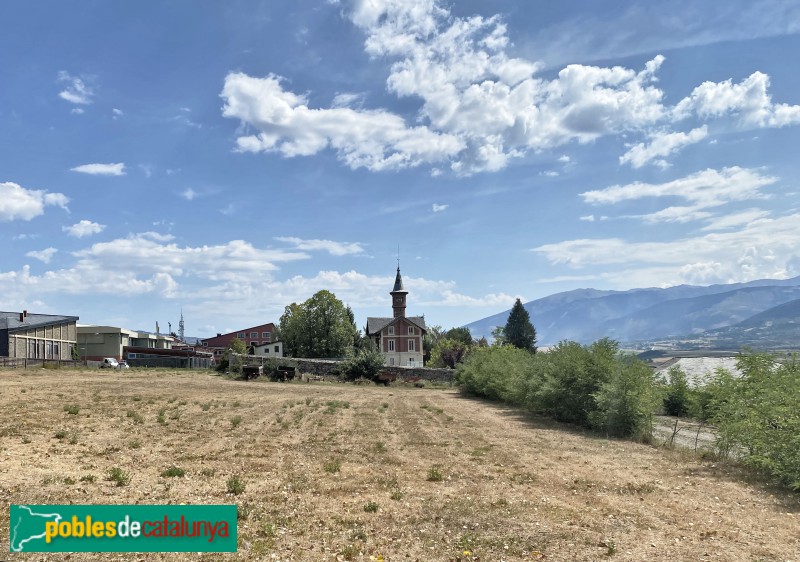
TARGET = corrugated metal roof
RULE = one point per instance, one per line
(10, 320)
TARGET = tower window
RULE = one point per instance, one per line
(410, 330)
(391, 330)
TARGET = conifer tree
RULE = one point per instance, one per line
(519, 331)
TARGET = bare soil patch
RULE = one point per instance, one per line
(342, 472)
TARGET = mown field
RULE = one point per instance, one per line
(342, 472)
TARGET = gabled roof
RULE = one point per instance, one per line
(10, 320)
(375, 325)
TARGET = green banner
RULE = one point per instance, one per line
(122, 528)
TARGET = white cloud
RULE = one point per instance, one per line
(726, 222)
(16, 202)
(564, 159)
(347, 99)
(480, 107)
(748, 101)
(84, 228)
(439, 208)
(761, 248)
(703, 190)
(42, 255)
(614, 34)
(76, 90)
(189, 194)
(587, 218)
(77, 111)
(101, 169)
(662, 145)
(375, 140)
(117, 112)
(333, 248)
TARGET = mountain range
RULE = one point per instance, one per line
(752, 313)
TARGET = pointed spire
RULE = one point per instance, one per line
(398, 282)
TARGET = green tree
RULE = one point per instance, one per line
(499, 336)
(231, 360)
(519, 331)
(365, 363)
(758, 415)
(462, 335)
(677, 399)
(320, 327)
(292, 322)
(448, 353)
(626, 402)
(429, 341)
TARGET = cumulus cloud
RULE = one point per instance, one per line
(155, 253)
(330, 246)
(76, 90)
(748, 102)
(42, 255)
(101, 169)
(480, 106)
(660, 146)
(439, 208)
(702, 190)
(84, 228)
(375, 139)
(18, 203)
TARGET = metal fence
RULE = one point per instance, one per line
(172, 362)
(24, 363)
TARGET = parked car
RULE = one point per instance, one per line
(109, 363)
(124, 365)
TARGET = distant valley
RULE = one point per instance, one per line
(764, 314)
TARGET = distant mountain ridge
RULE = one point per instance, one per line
(585, 315)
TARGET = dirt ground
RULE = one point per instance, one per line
(343, 472)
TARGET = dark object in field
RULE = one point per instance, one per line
(283, 374)
(385, 377)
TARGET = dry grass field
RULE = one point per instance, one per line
(343, 472)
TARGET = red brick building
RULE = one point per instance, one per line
(250, 337)
(399, 338)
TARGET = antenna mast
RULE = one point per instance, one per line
(181, 334)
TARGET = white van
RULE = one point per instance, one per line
(109, 363)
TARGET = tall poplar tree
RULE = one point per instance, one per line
(519, 331)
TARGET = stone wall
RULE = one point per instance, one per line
(324, 368)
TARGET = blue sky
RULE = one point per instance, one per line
(229, 158)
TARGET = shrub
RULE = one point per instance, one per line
(235, 485)
(626, 402)
(366, 363)
(568, 378)
(678, 397)
(173, 472)
(119, 476)
(495, 372)
(434, 474)
(757, 415)
(371, 507)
